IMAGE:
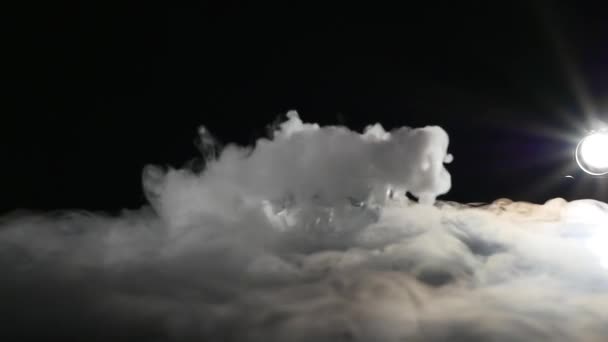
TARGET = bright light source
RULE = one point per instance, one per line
(594, 149)
(592, 153)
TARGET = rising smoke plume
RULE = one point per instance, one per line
(309, 236)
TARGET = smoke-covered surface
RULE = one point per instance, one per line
(309, 236)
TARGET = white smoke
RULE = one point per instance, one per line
(309, 236)
(304, 163)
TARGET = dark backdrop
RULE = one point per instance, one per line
(94, 91)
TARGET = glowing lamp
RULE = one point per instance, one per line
(592, 153)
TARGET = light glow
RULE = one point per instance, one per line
(592, 153)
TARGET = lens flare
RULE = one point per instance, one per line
(592, 153)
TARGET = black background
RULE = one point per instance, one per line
(94, 91)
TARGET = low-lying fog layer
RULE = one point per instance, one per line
(309, 236)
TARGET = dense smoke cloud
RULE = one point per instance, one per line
(306, 163)
(309, 236)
